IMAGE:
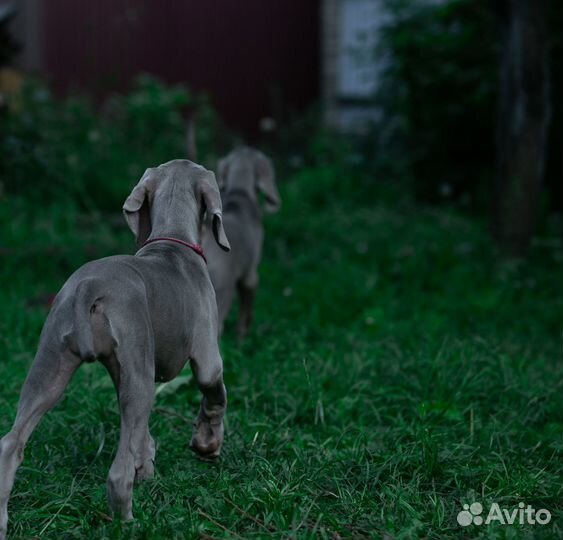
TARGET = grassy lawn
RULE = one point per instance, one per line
(396, 370)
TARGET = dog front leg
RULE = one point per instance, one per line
(136, 398)
(224, 294)
(246, 308)
(208, 433)
(144, 461)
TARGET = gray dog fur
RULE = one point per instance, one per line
(241, 175)
(143, 317)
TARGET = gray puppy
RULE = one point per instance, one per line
(142, 316)
(241, 175)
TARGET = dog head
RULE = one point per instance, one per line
(249, 170)
(172, 200)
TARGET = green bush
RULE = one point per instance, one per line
(66, 148)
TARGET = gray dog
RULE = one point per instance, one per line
(142, 316)
(241, 175)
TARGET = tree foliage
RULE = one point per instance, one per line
(440, 95)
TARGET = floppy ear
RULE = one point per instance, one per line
(212, 200)
(222, 171)
(266, 182)
(136, 209)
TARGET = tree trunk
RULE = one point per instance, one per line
(523, 114)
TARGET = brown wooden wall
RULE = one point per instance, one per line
(247, 54)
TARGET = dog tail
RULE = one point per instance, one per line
(84, 305)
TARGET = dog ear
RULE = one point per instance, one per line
(266, 182)
(222, 171)
(212, 200)
(136, 209)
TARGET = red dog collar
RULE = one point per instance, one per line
(194, 247)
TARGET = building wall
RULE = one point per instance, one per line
(254, 57)
(352, 62)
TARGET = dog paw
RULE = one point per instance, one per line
(145, 471)
(207, 438)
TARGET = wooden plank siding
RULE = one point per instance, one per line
(251, 56)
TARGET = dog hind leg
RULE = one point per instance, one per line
(47, 379)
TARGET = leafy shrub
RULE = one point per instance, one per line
(66, 148)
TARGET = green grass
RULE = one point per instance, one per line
(395, 371)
